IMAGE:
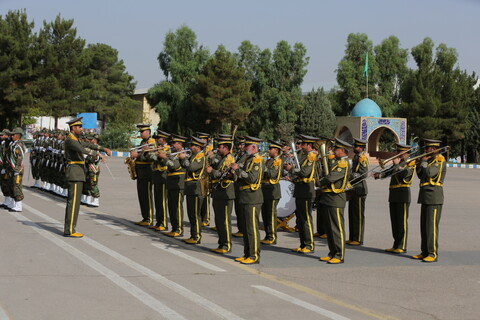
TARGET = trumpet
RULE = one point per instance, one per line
(439, 151)
(295, 155)
(182, 151)
(383, 162)
(142, 146)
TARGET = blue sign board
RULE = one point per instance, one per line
(89, 120)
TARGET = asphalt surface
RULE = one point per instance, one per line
(123, 271)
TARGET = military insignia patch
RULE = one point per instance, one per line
(256, 168)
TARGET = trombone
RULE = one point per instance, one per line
(142, 146)
(383, 162)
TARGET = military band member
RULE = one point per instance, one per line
(271, 192)
(223, 193)
(74, 151)
(356, 204)
(159, 177)
(205, 182)
(195, 167)
(333, 200)
(250, 198)
(304, 179)
(175, 184)
(17, 153)
(401, 173)
(93, 172)
(143, 166)
(240, 158)
(431, 171)
(8, 202)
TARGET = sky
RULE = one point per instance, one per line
(137, 28)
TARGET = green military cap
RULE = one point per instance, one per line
(307, 139)
(241, 139)
(90, 135)
(203, 135)
(402, 147)
(143, 126)
(2, 132)
(285, 142)
(274, 144)
(17, 131)
(75, 122)
(178, 138)
(96, 136)
(431, 143)
(162, 134)
(359, 143)
(252, 140)
(198, 142)
(342, 144)
(224, 135)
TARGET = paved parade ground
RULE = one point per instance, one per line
(123, 271)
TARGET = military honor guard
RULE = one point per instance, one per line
(159, 178)
(223, 193)
(176, 184)
(401, 174)
(271, 191)
(195, 166)
(143, 168)
(334, 199)
(250, 198)
(74, 154)
(5, 137)
(356, 204)
(304, 193)
(431, 170)
(15, 169)
(91, 189)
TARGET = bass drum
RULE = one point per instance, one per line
(286, 204)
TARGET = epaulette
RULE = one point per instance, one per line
(166, 147)
(312, 156)
(331, 156)
(257, 159)
(229, 160)
(199, 155)
(277, 162)
(363, 158)
(208, 148)
(151, 140)
(342, 163)
(412, 163)
(439, 158)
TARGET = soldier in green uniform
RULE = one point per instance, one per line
(334, 199)
(176, 184)
(401, 173)
(356, 204)
(250, 198)
(74, 151)
(4, 179)
(304, 193)
(159, 176)
(143, 166)
(271, 191)
(205, 182)
(431, 171)
(93, 172)
(223, 193)
(17, 153)
(195, 166)
(240, 157)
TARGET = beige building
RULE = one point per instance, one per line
(149, 114)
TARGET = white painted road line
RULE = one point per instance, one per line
(180, 254)
(303, 304)
(3, 314)
(138, 293)
(114, 227)
(186, 293)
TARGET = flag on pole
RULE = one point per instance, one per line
(365, 69)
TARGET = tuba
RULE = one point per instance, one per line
(130, 162)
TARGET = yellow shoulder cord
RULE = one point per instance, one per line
(275, 181)
(344, 182)
(227, 182)
(311, 177)
(413, 175)
(196, 177)
(256, 186)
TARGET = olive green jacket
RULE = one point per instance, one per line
(333, 185)
(74, 151)
(250, 180)
(431, 173)
(271, 178)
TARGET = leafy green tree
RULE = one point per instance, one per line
(107, 87)
(317, 118)
(350, 75)
(222, 92)
(16, 67)
(436, 97)
(60, 66)
(472, 136)
(181, 61)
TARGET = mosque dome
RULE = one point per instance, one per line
(367, 108)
